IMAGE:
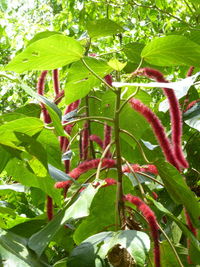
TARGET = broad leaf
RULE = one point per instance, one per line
(103, 27)
(79, 209)
(133, 51)
(97, 247)
(172, 50)
(47, 54)
(179, 191)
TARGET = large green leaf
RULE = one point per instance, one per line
(21, 172)
(179, 191)
(97, 220)
(79, 209)
(103, 27)
(133, 51)
(96, 247)
(14, 252)
(172, 50)
(81, 80)
(182, 226)
(47, 54)
(27, 125)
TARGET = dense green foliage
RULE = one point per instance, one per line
(98, 48)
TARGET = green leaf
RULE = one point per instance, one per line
(42, 35)
(4, 157)
(47, 54)
(137, 244)
(51, 144)
(179, 191)
(54, 112)
(81, 80)
(192, 117)
(133, 51)
(21, 172)
(98, 219)
(116, 65)
(79, 209)
(25, 125)
(102, 28)
(182, 226)
(14, 252)
(172, 50)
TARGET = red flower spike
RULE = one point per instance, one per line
(97, 139)
(193, 230)
(155, 196)
(85, 141)
(136, 168)
(56, 81)
(107, 138)
(40, 91)
(191, 104)
(158, 130)
(151, 219)
(84, 167)
(41, 83)
(49, 208)
(59, 97)
(108, 79)
(190, 71)
(175, 114)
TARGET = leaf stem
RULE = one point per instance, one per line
(172, 246)
(138, 144)
(120, 210)
(97, 76)
(88, 118)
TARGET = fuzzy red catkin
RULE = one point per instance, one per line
(137, 168)
(175, 114)
(190, 71)
(108, 79)
(107, 138)
(40, 91)
(85, 141)
(97, 139)
(158, 130)
(193, 230)
(56, 81)
(191, 104)
(84, 167)
(151, 219)
(49, 208)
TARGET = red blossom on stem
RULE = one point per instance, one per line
(191, 104)
(107, 138)
(40, 91)
(56, 81)
(108, 79)
(85, 141)
(84, 167)
(49, 208)
(158, 130)
(190, 71)
(175, 114)
(151, 219)
(137, 168)
(193, 230)
(97, 139)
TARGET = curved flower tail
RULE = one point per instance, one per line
(158, 130)
(151, 219)
(56, 81)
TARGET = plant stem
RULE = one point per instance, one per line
(89, 127)
(120, 211)
(88, 118)
(97, 76)
(126, 101)
(171, 245)
(138, 144)
(151, 178)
